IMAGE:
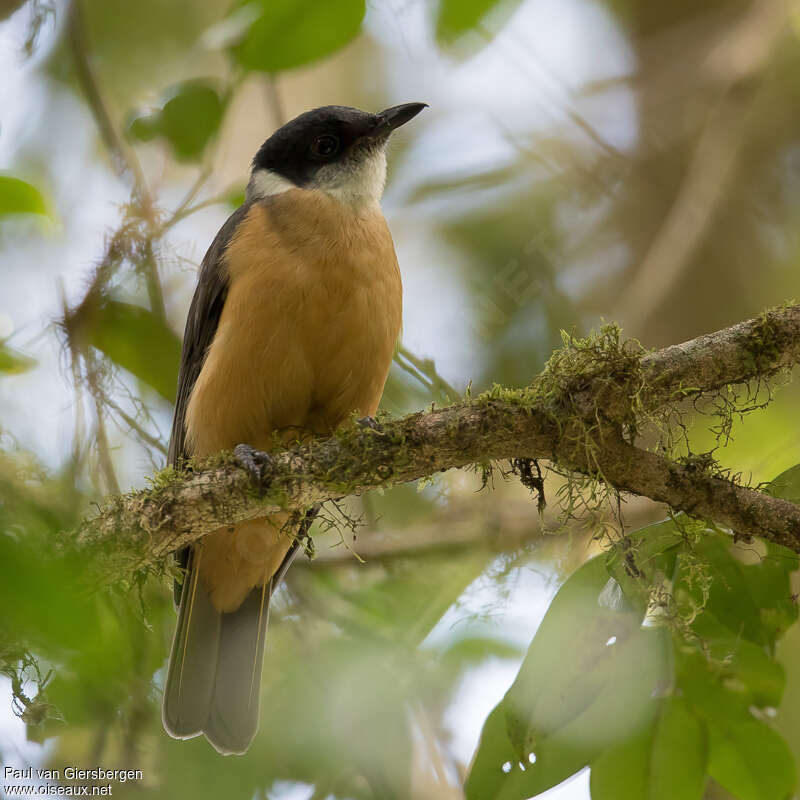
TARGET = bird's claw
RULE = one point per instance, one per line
(256, 463)
(369, 422)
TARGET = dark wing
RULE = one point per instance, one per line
(201, 325)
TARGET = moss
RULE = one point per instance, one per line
(357, 446)
(765, 343)
(597, 381)
(28, 686)
(589, 385)
(588, 381)
(602, 359)
(525, 397)
(523, 468)
(225, 458)
(165, 478)
(702, 462)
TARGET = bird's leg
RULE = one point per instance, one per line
(256, 463)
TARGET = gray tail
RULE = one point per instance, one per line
(214, 674)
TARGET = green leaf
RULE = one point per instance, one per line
(577, 701)
(746, 667)
(188, 120)
(42, 582)
(786, 485)
(137, 340)
(19, 197)
(289, 33)
(646, 557)
(664, 762)
(558, 678)
(623, 772)
(746, 756)
(705, 688)
(456, 17)
(711, 567)
(499, 771)
(509, 766)
(753, 601)
(769, 579)
(751, 761)
(586, 682)
(770, 586)
(677, 763)
(12, 362)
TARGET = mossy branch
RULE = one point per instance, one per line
(581, 413)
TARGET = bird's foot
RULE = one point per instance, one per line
(256, 463)
(369, 422)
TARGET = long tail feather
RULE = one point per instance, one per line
(233, 713)
(192, 663)
(214, 675)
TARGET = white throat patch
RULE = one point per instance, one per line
(265, 183)
(356, 182)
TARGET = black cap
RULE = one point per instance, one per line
(328, 135)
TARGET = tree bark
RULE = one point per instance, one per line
(581, 413)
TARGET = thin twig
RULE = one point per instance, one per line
(101, 435)
(432, 380)
(153, 441)
(180, 210)
(122, 155)
(181, 214)
(148, 264)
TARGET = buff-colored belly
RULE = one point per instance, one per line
(305, 339)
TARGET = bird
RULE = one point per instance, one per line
(291, 331)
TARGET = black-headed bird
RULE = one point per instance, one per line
(291, 330)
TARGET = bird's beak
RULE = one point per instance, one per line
(394, 117)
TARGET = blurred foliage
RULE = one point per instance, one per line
(455, 18)
(12, 362)
(661, 664)
(90, 646)
(19, 197)
(135, 45)
(653, 708)
(287, 33)
(521, 309)
(352, 713)
(137, 340)
(8, 7)
(188, 120)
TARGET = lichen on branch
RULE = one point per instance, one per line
(581, 413)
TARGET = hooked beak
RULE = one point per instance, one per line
(394, 117)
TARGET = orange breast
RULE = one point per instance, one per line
(305, 338)
(308, 328)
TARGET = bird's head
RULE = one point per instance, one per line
(334, 149)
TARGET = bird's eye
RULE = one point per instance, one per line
(325, 146)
